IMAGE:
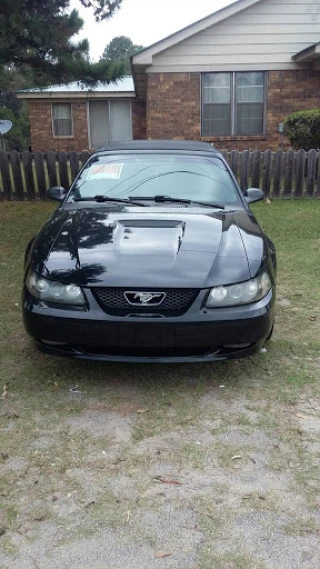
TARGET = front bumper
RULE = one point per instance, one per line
(199, 335)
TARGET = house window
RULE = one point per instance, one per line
(62, 119)
(233, 103)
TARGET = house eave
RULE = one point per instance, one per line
(309, 55)
(84, 95)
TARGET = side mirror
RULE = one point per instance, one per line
(57, 193)
(254, 195)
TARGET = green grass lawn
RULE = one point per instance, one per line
(266, 392)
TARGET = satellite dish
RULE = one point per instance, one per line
(5, 126)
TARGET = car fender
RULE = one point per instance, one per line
(27, 252)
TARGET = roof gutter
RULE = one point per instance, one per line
(85, 95)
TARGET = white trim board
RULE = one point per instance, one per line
(87, 95)
(220, 68)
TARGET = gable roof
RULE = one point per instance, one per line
(144, 57)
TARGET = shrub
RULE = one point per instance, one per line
(303, 129)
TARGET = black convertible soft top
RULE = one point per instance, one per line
(188, 145)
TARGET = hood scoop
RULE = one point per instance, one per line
(150, 223)
(160, 238)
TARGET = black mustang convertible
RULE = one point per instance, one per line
(152, 255)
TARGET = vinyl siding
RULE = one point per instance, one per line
(264, 36)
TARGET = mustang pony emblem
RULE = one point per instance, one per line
(144, 298)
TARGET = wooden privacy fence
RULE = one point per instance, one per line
(28, 176)
(279, 174)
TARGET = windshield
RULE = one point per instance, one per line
(177, 176)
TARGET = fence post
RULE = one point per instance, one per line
(288, 174)
(41, 178)
(16, 173)
(63, 170)
(234, 162)
(311, 172)
(52, 168)
(74, 164)
(84, 157)
(267, 164)
(244, 181)
(276, 190)
(300, 159)
(28, 174)
(5, 175)
(255, 175)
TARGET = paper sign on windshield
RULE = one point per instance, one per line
(105, 171)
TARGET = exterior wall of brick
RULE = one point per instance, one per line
(173, 107)
(139, 124)
(41, 127)
(290, 91)
(168, 106)
(138, 107)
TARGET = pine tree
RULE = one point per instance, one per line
(37, 48)
(121, 48)
(36, 36)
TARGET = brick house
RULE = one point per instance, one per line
(69, 117)
(230, 78)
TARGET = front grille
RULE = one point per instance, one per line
(176, 302)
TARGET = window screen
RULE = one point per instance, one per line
(250, 103)
(62, 119)
(216, 110)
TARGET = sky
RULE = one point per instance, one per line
(144, 21)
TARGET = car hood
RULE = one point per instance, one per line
(149, 248)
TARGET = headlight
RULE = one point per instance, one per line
(53, 291)
(242, 293)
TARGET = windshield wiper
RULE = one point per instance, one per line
(163, 199)
(103, 199)
(138, 199)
